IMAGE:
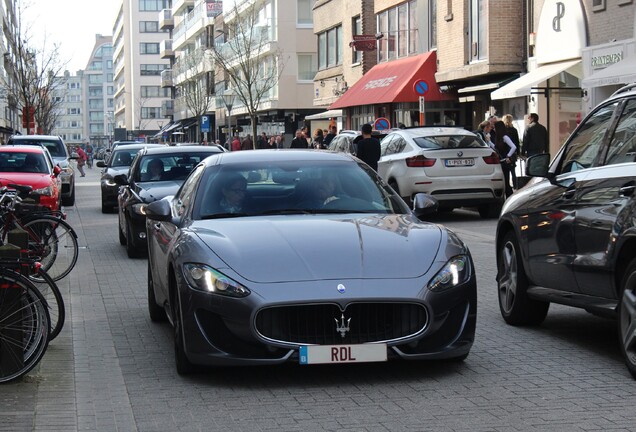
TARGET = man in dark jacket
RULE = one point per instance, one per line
(535, 138)
(331, 135)
(368, 149)
(300, 141)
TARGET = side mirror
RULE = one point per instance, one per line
(159, 210)
(424, 204)
(56, 170)
(538, 165)
(121, 179)
(101, 164)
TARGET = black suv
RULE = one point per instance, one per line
(55, 145)
(569, 237)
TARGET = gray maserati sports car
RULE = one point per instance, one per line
(264, 257)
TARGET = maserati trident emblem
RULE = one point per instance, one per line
(341, 288)
(342, 327)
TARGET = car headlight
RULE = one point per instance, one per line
(47, 191)
(204, 278)
(455, 272)
(67, 170)
(140, 209)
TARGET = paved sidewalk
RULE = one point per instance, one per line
(79, 383)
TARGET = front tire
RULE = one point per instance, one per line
(70, 200)
(131, 249)
(489, 211)
(122, 237)
(184, 366)
(627, 318)
(512, 285)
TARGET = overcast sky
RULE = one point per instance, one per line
(73, 24)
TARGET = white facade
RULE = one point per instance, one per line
(98, 93)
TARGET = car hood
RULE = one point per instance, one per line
(35, 180)
(153, 191)
(302, 248)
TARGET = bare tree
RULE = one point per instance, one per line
(142, 122)
(197, 86)
(31, 80)
(50, 103)
(247, 59)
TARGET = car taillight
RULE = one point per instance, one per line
(493, 159)
(419, 162)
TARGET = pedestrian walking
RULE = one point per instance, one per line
(236, 144)
(368, 148)
(511, 132)
(535, 138)
(317, 142)
(300, 142)
(247, 143)
(81, 161)
(505, 148)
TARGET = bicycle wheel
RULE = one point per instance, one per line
(54, 242)
(51, 293)
(24, 326)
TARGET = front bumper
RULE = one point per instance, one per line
(224, 331)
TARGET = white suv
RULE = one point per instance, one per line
(449, 163)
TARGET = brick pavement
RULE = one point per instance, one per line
(111, 369)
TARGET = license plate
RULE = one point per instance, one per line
(459, 162)
(360, 353)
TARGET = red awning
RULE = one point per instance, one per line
(394, 81)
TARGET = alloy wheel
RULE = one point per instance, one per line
(508, 277)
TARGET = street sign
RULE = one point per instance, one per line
(382, 124)
(422, 106)
(205, 123)
(420, 87)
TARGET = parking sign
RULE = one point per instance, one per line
(205, 123)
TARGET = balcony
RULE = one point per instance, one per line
(179, 6)
(166, 22)
(165, 49)
(167, 108)
(193, 24)
(166, 78)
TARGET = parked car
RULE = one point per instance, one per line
(139, 188)
(32, 166)
(56, 147)
(266, 257)
(569, 236)
(449, 163)
(346, 141)
(119, 163)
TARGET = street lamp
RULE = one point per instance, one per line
(228, 100)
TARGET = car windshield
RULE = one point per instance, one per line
(122, 158)
(170, 166)
(439, 142)
(278, 188)
(54, 146)
(23, 162)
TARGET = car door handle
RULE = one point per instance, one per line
(627, 190)
(156, 227)
(569, 194)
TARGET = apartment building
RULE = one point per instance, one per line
(70, 111)
(9, 116)
(98, 91)
(401, 89)
(137, 62)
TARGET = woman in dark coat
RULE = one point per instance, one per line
(506, 149)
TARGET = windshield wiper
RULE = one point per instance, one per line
(289, 211)
(223, 215)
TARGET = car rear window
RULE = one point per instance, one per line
(176, 166)
(55, 147)
(439, 142)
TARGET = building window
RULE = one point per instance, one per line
(148, 48)
(151, 113)
(356, 28)
(148, 26)
(96, 104)
(153, 69)
(153, 5)
(73, 111)
(306, 67)
(330, 49)
(478, 29)
(96, 78)
(399, 27)
(598, 5)
(432, 24)
(154, 91)
(305, 13)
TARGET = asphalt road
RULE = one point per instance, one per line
(112, 369)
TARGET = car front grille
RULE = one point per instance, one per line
(327, 324)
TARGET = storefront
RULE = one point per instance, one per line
(607, 68)
(392, 90)
(552, 86)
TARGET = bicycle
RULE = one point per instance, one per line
(45, 285)
(25, 325)
(51, 239)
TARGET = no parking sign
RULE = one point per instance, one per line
(382, 124)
